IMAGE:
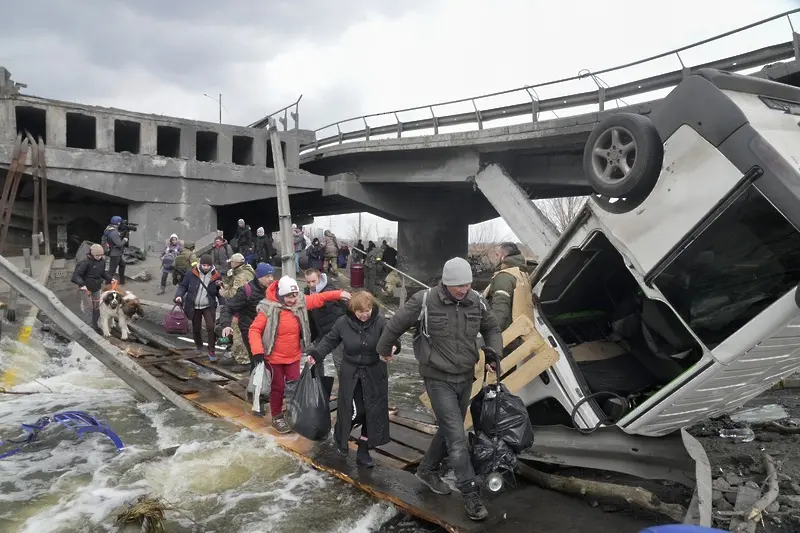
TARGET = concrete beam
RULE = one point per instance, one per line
(424, 246)
(517, 209)
(131, 373)
(423, 166)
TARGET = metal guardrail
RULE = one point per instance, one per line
(264, 122)
(599, 97)
(403, 277)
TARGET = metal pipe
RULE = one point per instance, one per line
(418, 282)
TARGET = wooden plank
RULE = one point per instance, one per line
(387, 483)
(429, 429)
(205, 373)
(154, 371)
(409, 437)
(181, 387)
(237, 390)
(425, 418)
(408, 456)
(179, 371)
(385, 460)
(537, 364)
(221, 370)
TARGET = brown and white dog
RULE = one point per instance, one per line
(119, 307)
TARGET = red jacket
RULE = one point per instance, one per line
(287, 339)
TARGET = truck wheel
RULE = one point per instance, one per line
(623, 157)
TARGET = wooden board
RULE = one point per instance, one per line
(384, 482)
(409, 437)
(177, 370)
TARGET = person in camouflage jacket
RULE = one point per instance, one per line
(239, 275)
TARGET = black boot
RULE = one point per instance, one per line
(362, 455)
(472, 502)
(95, 318)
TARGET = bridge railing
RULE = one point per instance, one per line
(534, 106)
(292, 110)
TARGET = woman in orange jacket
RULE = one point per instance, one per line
(279, 334)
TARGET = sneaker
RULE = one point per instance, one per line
(212, 357)
(473, 504)
(433, 482)
(343, 452)
(280, 425)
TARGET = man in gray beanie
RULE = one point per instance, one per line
(448, 319)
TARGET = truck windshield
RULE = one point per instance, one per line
(746, 259)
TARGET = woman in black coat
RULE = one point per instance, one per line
(363, 376)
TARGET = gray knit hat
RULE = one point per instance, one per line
(456, 272)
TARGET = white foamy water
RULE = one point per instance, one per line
(221, 479)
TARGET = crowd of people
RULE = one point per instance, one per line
(277, 323)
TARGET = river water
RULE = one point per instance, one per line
(221, 479)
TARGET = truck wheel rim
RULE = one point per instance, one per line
(613, 155)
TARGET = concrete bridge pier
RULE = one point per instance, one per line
(157, 221)
(426, 245)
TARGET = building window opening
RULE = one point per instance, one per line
(127, 136)
(33, 120)
(81, 131)
(168, 141)
(206, 149)
(242, 150)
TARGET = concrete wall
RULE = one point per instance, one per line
(159, 221)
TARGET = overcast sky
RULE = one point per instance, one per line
(350, 57)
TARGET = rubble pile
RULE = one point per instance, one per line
(754, 459)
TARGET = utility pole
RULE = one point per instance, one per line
(284, 209)
(219, 104)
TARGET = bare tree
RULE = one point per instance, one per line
(561, 211)
(482, 233)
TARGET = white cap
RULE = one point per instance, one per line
(260, 232)
(287, 285)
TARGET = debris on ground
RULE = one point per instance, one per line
(753, 454)
(144, 275)
(147, 513)
(132, 255)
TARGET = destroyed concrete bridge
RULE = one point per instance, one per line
(176, 175)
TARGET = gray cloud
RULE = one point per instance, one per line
(87, 50)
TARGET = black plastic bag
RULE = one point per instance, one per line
(484, 459)
(307, 405)
(513, 425)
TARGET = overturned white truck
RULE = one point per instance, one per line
(672, 297)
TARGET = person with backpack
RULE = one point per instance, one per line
(239, 275)
(184, 262)
(114, 247)
(243, 305)
(168, 256)
(448, 317)
(199, 294)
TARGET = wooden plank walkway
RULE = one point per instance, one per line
(220, 392)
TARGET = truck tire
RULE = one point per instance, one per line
(623, 157)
